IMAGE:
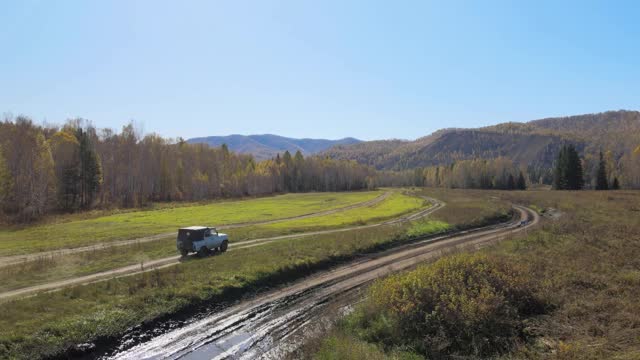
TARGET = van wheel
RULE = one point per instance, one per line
(224, 246)
(203, 251)
(184, 252)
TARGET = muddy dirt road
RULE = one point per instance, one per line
(174, 260)
(268, 326)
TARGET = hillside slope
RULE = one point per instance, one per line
(267, 146)
(533, 143)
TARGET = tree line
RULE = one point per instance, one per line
(499, 173)
(568, 173)
(45, 169)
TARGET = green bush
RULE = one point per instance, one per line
(465, 304)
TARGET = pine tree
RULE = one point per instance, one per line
(560, 170)
(511, 183)
(601, 179)
(616, 184)
(575, 172)
(568, 173)
(288, 169)
(522, 183)
(418, 177)
(90, 169)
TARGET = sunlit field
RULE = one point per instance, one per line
(52, 268)
(131, 225)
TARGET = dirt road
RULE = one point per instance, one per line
(16, 259)
(268, 326)
(174, 260)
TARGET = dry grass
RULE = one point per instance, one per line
(585, 259)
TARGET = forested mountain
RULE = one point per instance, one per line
(532, 146)
(267, 146)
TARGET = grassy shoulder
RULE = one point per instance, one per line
(567, 290)
(131, 225)
(63, 267)
(49, 323)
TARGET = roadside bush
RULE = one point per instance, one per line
(345, 347)
(427, 227)
(464, 304)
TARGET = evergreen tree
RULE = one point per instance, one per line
(522, 183)
(601, 178)
(616, 184)
(297, 180)
(511, 183)
(575, 172)
(288, 169)
(90, 170)
(225, 151)
(560, 170)
(418, 177)
(568, 173)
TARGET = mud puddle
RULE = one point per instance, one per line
(268, 330)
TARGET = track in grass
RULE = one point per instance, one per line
(140, 224)
(16, 259)
(174, 260)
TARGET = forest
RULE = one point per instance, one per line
(533, 145)
(500, 173)
(46, 169)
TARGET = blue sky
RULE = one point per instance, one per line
(328, 69)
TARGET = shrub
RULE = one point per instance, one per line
(462, 304)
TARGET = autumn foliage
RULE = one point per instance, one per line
(45, 169)
(464, 304)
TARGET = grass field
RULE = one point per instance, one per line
(131, 225)
(48, 323)
(468, 207)
(582, 267)
(395, 205)
(62, 267)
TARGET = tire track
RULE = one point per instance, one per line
(174, 260)
(17, 259)
(266, 326)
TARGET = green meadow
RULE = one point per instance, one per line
(53, 268)
(136, 224)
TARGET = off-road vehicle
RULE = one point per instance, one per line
(201, 239)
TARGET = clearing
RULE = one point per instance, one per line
(143, 223)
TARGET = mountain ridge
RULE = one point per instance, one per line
(532, 143)
(266, 146)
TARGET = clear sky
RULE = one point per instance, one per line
(325, 69)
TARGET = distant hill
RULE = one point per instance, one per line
(266, 146)
(534, 143)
